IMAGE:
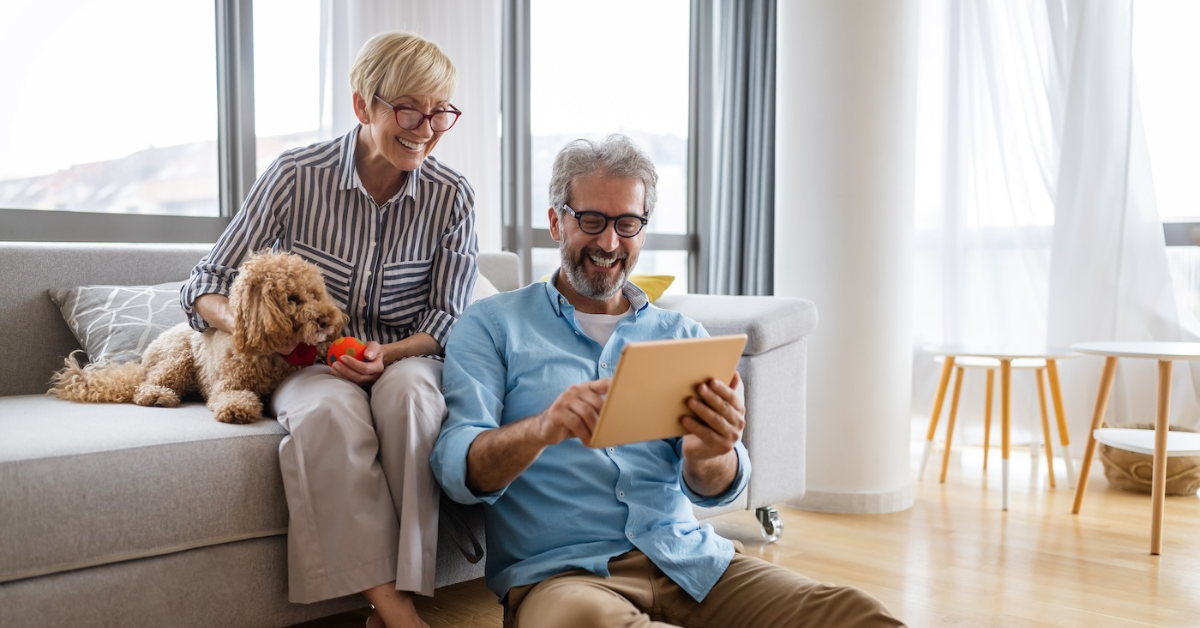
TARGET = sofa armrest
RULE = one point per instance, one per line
(768, 322)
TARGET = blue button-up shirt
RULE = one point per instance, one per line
(508, 358)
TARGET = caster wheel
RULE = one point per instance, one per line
(772, 524)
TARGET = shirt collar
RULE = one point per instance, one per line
(638, 301)
(348, 174)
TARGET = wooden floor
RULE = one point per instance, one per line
(955, 559)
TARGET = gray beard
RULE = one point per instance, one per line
(592, 287)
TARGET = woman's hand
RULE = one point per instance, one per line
(362, 372)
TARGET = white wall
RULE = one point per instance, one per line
(845, 143)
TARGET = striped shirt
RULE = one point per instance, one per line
(396, 269)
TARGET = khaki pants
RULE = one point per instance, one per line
(752, 594)
(362, 502)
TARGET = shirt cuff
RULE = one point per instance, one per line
(449, 463)
(438, 324)
(735, 488)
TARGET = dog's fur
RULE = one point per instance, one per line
(277, 299)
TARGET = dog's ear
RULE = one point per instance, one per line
(260, 324)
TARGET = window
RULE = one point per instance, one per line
(1165, 51)
(110, 106)
(586, 82)
(125, 123)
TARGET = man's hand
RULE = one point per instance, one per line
(362, 372)
(573, 413)
(709, 460)
(498, 456)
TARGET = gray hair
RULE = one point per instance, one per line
(617, 156)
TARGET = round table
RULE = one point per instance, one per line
(1005, 356)
(1165, 443)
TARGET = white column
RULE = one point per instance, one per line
(845, 138)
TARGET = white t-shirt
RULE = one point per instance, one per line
(599, 327)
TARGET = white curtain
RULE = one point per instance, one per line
(468, 31)
(1036, 217)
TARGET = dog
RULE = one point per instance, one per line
(277, 299)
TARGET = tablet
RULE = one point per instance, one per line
(653, 381)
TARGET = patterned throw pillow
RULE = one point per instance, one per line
(117, 323)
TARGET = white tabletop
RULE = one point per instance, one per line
(1142, 349)
(1001, 352)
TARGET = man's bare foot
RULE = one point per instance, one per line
(393, 609)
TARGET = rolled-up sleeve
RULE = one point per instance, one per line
(735, 488)
(257, 226)
(454, 267)
(473, 382)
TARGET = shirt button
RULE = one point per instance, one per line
(620, 493)
(629, 534)
(603, 365)
(362, 303)
(612, 450)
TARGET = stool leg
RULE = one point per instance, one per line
(1005, 421)
(1045, 427)
(1158, 488)
(1061, 416)
(937, 412)
(987, 417)
(958, 377)
(1106, 380)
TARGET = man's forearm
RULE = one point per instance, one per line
(713, 476)
(497, 456)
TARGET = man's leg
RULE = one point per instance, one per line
(581, 599)
(408, 407)
(754, 593)
(342, 529)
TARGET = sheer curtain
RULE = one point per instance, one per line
(1036, 220)
(468, 31)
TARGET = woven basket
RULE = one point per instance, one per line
(1131, 471)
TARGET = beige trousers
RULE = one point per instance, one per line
(362, 501)
(751, 594)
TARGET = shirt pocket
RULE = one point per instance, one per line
(337, 271)
(405, 292)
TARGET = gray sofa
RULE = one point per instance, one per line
(118, 515)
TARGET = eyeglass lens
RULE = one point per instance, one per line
(411, 118)
(594, 223)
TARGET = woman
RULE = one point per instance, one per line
(393, 232)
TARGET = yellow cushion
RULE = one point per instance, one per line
(653, 285)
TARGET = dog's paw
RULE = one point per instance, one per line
(160, 396)
(238, 415)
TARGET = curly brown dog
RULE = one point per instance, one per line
(277, 299)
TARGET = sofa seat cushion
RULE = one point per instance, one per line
(92, 484)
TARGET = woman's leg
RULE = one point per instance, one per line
(342, 529)
(408, 407)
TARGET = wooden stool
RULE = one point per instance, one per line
(1037, 365)
(1006, 359)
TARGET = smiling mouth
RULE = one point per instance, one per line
(410, 145)
(604, 262)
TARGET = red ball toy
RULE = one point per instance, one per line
(347, 345)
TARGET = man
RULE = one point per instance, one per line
(604, 537)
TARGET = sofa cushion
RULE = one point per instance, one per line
(92, 484)
(117, 323)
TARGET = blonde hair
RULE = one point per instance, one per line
(394, 64)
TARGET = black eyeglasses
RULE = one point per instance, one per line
(594, 223)
(410, 119)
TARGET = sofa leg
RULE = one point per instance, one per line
(772, 525)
